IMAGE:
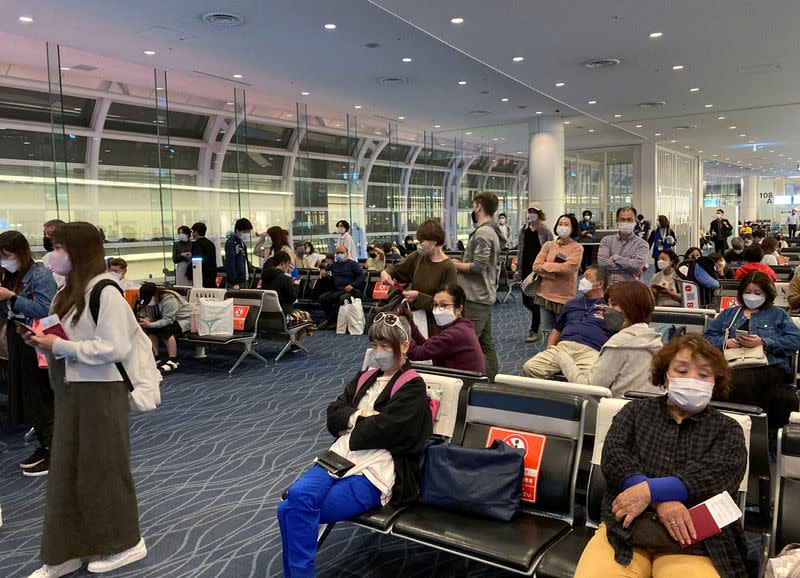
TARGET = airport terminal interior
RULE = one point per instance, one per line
(144, 117)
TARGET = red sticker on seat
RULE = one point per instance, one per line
(239, 316)
(533, 444)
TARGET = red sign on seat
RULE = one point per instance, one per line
(533, 444)
(239, 316)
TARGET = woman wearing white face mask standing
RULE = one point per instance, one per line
(182, 256)
(345, 239)
(26, 290)
(662, 456)
(758, 323)
(455, 345)
(557, 265)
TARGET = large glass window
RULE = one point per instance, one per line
(140, 119)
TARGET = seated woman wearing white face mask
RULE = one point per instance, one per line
(455, 346)
(662, 456)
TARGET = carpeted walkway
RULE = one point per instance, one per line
(211, 463)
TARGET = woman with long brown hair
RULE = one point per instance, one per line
(91, 508)
(26, 291)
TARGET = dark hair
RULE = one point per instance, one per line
(759, 233)
(387, 247)
(699, 347)
(344, 224)
(672, 255)
(715, 256)
(15, 243)
(278, 258)
(601, 273)
(769, 245)
(84, 244)
(279, 237)
(576, 228)
(185, 230)
(720, 211)
(53, 223)
(627, 208)
(586, 212)
(431, 230)
(763, 282)
(147, 291)
(117, 262)
(488, 201)
(200, 229)
(634, 298)
(456, 292)
(691, 250)
(663, 221)
(408, 238)
(243, 225)
(502, 215)
(753, 254)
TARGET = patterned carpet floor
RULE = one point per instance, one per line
(211, 463)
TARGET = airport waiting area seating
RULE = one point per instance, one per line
(785, 521)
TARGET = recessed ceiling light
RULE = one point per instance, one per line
(732, 127)
(694, 90)
(467, 133)
(440, 126)
(559, 84)
(462, 82)
(743, 134)
(519, 152)
(357, 107)
(678, 67)
(229, 103)
(538, 112)
(237, 75)
(721, 118)
(401, 118)
(617, 116)
(709, 105)
(26, 142)
(673, 140)
(289, 115)
(638, 126)
(406, 59)
(504, 100)
(65, 68)
(591, 130)
(495, 138)
(656, 34)
(150, 52)
(658, 134)
(686, 146)
(305, 93)
(159, 88)
(699, 151)
(457, 20)
(330, 27)
(772, 151)
(592, 102)
(780, 155)
(727, 158)
(26, 19)
(518, 58)
(567, 122)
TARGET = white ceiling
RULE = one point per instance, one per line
(742, 56)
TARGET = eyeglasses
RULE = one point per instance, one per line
(391, 320)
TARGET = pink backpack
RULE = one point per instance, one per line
(400, 382)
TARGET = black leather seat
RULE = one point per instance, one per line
(380, 520)
(561, 560)
(786, 524)
(512, 544)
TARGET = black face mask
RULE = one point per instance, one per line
(614, 319)
(474, 218)
(48, 244)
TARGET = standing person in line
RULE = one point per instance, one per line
(205, 250)
(719, 230)
(182, 256)
(557, 265)
(505, 228)
(588, 232)
(236, 266)
(26, 291)
(47, 242)
(624, 254)
(531, 239)
(662, 238)
(643, 226)
(478, 274)
(791, 221)
(91, 509)
(345, 240)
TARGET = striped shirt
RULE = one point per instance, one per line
(625, 259)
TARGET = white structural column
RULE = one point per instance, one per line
(645, 191)
(749, 198)
(546, 164)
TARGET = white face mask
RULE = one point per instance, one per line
(564, 232)
(152, 302)
(584, 285)
(384, 359)
(342, 230)
(533, 217)
(10, 265)
(690, 394)
(626, 228)
(60, 263)
(502, 221)
(183, 237)
(443, 316)
(115, 275)
(753, 301)
(662, 264)
(587, 217)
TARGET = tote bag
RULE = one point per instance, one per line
(742, 356)
(215, 317)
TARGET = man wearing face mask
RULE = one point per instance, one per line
(237, 267)
(348, 278)
(624, 254)
(580, 330)
(791, 221)
(733, 256)
(47, 232)
(505, 228)
(533, 236)
(662, 456)
(719, 230)
(205, 250)
(477, 274)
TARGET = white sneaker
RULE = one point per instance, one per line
(62, 569)
(114, 561)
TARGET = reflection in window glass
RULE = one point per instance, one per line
(144, 120)
(331, 144)
(254, 163)
(127, 153)
(38, 146)
(33, 105)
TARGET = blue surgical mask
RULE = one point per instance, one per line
(339, 257)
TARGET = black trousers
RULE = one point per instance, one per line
(534, 309)
(332, 300)
(721, 246)
(764, 387)
(792, 230)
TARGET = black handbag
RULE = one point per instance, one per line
(482, 481)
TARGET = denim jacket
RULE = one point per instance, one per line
(33, 301)
(773, 325)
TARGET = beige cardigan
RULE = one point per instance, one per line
(558, 280)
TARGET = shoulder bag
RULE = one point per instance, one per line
(742, 356)
(530, 284)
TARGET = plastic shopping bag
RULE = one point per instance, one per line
(342, 319)
(215, 317)
(356, 321)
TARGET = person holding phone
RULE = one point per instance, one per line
(26, 291)
(665, 283)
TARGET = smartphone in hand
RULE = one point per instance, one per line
(27, 328)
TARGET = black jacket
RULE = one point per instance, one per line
(401, 427)
(206, 250)
(276, 280)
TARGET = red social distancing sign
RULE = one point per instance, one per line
(728, 302)
(239, 315)
(533, 444)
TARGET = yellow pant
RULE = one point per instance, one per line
(598, 561)
(546, 364)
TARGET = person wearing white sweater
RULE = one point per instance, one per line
(625, 359)
(91, 509)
